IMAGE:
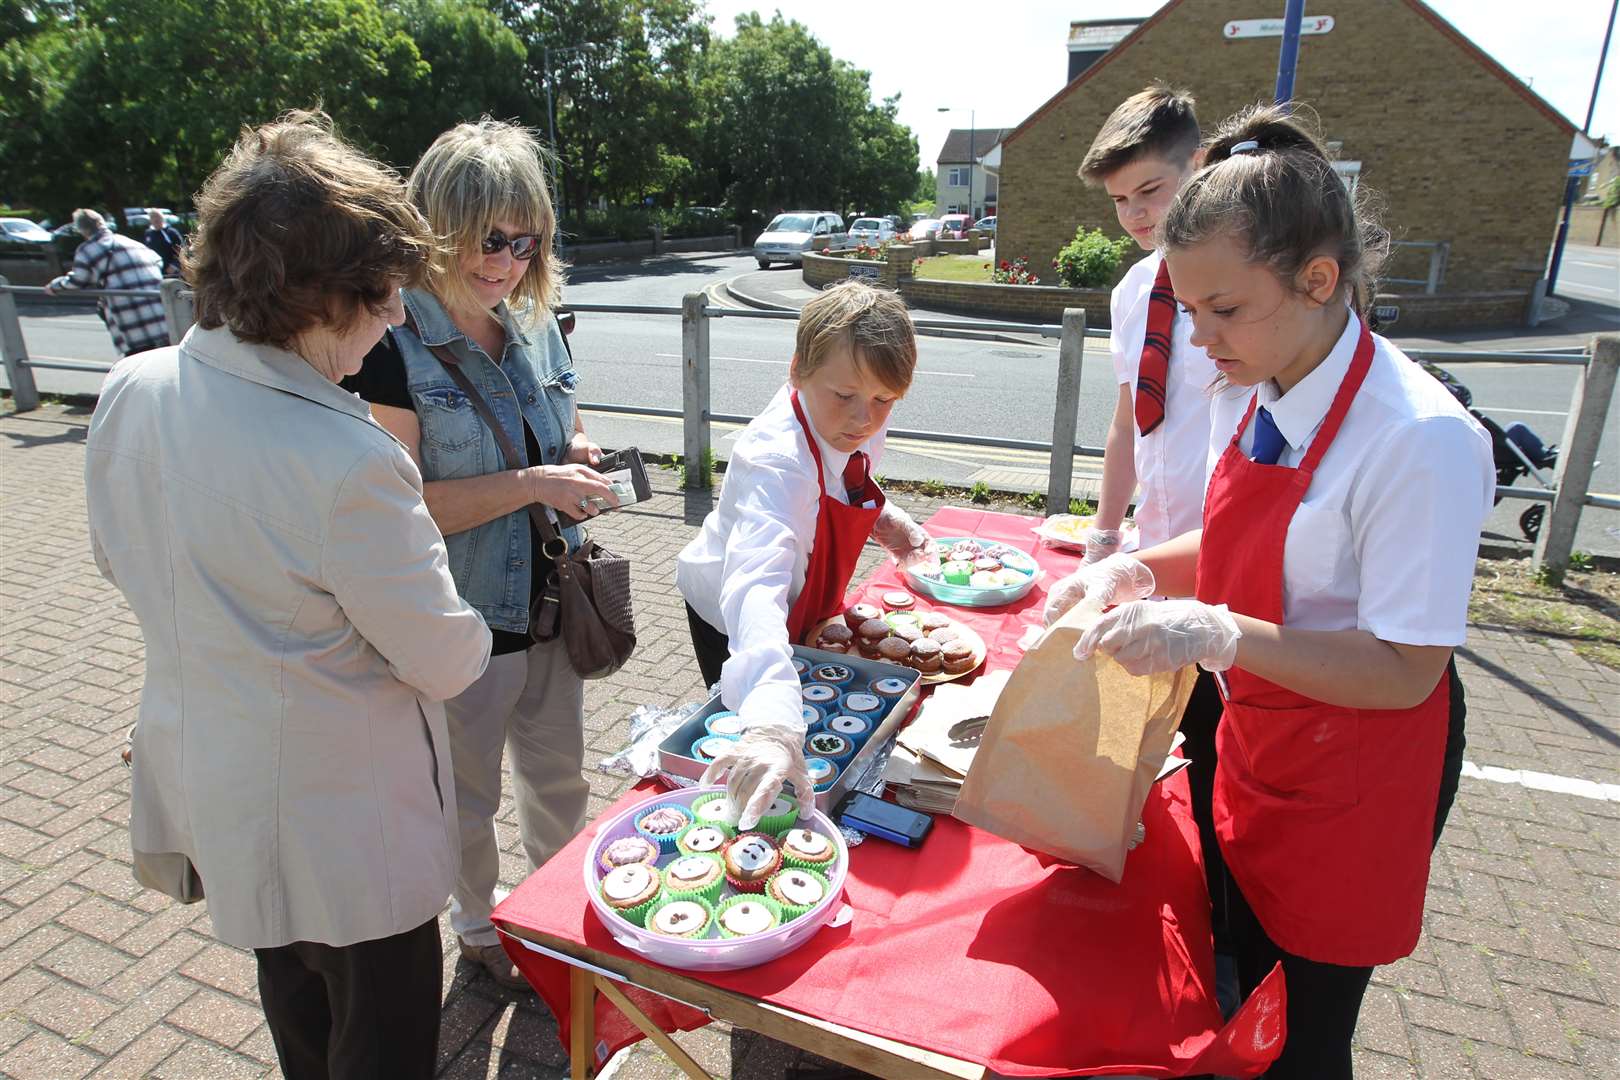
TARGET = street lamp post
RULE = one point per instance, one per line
(551, 108)
(972, 137)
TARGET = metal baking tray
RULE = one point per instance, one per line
(674, 753)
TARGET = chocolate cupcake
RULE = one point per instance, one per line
(868, 634)
(744, 916)
(898, 601)
(832, 634)
(833, 646)
(662, 823)
(688, 917)
(931, 621)
(907, 632)
(631, 889)
(806, 847)
(893, 650)
(627, 850)
(927, 656)
(797, 891)
(945, 634)
(750, 859)
(860, 613)
(703, 838)
(958, 659)
(695, 875)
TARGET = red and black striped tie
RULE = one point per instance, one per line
(1154, 370)
(856, 478)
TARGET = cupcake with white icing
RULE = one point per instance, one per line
(779, 815)
(744, 916)
(687, 917)
(808, 849)
(703, 838)
(750, 861)
(627, 850)
(695, 876)
(797, 891)
(630, 890)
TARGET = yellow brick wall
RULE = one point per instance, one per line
(1455, 153)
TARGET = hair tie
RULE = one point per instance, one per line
(1247, 146)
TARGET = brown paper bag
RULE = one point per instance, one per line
(1071, 750)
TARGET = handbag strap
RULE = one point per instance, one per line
(510, 454)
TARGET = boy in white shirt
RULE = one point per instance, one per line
(775, 556)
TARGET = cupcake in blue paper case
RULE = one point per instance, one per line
(890, 688)
(823, 773)
(821, 695)
(850, 726)
(833, 674)
(662, 823)
(862, 703)
(726, 724)
(812, 717)
(710, 747)
(801, 666)
(835, 748)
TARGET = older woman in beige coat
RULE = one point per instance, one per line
(291, 761)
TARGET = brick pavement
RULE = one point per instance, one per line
(1517, 975)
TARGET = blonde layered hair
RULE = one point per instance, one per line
(473, 176)
(872, 323)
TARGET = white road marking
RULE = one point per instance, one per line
(1539, 781)
(1522, 412)
(1583, 262)
(784, 363)
(1607, 294)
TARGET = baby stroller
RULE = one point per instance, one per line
(1516, 451)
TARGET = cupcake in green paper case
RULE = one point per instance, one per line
(808, 849)
(746, 915)
(703, 838)
(780, 815)
(631, 890)
(796, 891)
(695, 875)
(681, 917)
(714, 809)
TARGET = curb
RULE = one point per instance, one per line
(922, 331)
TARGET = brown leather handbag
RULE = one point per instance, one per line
(586, 600)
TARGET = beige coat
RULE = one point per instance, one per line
(301, 631)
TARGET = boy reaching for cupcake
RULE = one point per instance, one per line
(775, 557)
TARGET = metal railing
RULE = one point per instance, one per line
(1566, 498)
(1439, 256)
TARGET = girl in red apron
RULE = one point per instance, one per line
(1329, 583)
(775, 556)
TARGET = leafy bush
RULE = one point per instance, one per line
(636, 222)
(1090, 260)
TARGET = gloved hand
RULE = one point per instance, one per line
(1148, 637)
(1101, 543)
(1115, 580)
(757, 764)
(903, 538)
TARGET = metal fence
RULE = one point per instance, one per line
(1566, 498)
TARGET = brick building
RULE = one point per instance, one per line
(1461, 152)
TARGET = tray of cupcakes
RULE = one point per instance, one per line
(671, 880)
(975, 573)
(930, 642)
(852, 706)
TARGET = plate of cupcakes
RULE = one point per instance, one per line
(672, 880)
(933, 644)
(975, 573)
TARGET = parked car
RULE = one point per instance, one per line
(924, 229)
(871, 230)
(790, 235)
(897, 221)
(135, 216)
(21, 230)
(919, 217)
(954, 226)
(986, 224)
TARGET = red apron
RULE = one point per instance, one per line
(841, 531)
(1325, 814)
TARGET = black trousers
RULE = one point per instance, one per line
(710, 644)
(1324, 1000)
(365, 1010)
(1198, 724)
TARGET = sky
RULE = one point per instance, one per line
(1555, 50)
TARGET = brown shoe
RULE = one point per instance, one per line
(493, 959)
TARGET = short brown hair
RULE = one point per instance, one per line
(872, 323)
(473, 175)
(1159, 121)
(1280, 197)
(298, 229)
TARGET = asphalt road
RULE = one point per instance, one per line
(994, 388)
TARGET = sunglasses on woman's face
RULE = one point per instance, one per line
(524, 247)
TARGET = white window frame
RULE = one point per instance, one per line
(1350, 173)
(954, 177)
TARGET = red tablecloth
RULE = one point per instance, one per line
(973, 946)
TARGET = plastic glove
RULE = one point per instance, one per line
(903, 538)
(1115, 580)
(1148, 637)
(756, 766)
(1101, 543)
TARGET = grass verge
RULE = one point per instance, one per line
(1585, 610)
(972, 268)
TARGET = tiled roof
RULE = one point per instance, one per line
(955, 151)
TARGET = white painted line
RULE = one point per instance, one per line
(1522, 412)
(784, 363)
(1607, 294)
(1540, 781)
(1584, 262)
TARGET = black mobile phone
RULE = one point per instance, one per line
(626, 475)
(885, 820)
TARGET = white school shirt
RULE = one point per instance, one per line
(1170, 461)
(746, 566)
(1388, 533)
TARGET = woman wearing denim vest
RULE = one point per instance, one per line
(488, 301)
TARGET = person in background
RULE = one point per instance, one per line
(799, 502)
(107, 260)
(1328, 585)
(302, 627)
(166, 240)
(487, 301)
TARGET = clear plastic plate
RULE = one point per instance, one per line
(968, 595)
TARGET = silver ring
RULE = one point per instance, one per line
(583, 503)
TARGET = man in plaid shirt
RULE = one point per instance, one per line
(107, 260)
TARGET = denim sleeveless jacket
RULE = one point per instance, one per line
(491, 563)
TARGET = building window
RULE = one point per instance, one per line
(957, 178)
